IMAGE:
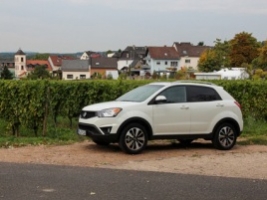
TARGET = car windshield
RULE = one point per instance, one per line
(140, 94)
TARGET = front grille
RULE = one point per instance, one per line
(87, 114)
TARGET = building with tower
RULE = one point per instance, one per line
(20, 63)
(23, 66)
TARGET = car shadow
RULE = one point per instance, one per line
(153, 146)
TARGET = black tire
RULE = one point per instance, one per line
(133, 139)
(100, 142)
(224, 137)
(185, 142)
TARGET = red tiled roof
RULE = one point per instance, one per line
(57, 60)
(39, 63)
(163, 53)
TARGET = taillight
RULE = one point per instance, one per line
(238, 104)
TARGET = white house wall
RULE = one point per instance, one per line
(113, 73)
(75, 75)
(193, 62)
(159, 65)
(124, 63)
(84, 56)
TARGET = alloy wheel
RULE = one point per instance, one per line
(226, 136)
(135, 139)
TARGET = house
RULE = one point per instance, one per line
(131, 57)
(10, 64)
(162, 59)
(56, 63)
(104, 66)
(189, 54)
(75, 69)
(23, 66)
(111, 54)
(226, 74)
(32, 64)
(89, 54)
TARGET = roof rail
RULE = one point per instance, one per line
(195, 81)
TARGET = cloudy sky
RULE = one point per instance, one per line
(67, 26)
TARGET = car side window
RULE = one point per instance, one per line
(200, 94)
(175, 94)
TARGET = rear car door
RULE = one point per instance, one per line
(205, 104)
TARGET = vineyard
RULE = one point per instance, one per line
(39, 104)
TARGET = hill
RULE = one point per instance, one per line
(30, 55)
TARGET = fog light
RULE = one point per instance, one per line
(106, 130)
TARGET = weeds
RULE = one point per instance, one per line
(255, 132)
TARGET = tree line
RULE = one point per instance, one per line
(242, 51)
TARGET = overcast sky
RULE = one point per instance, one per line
(67, 26)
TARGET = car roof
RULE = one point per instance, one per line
(186, 82)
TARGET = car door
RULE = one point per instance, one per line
(205, 104)
(173, 116)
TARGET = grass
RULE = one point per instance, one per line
(59, 134)
(255, 132)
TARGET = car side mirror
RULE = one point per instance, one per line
(160, 99)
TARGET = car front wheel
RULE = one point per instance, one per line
(225, 137)
(133, 139)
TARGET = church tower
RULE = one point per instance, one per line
(20, 63)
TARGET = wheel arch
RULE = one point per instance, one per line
(138, 120)
(230, 121)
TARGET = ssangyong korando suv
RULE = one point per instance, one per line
(165, 110)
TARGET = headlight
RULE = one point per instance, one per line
(110, 112)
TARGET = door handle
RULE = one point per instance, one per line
(219, 105)
(185, 107)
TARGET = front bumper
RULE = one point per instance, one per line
(94, 132)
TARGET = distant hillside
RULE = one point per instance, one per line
(7, 56)
(30, 55)
(10, 55)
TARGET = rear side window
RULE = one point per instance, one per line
(200, 94)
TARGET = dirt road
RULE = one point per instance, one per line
(200, 158)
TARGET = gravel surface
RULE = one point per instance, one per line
(249, 161)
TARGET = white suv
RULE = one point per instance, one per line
(164, 110)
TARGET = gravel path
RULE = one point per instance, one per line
(200, 158)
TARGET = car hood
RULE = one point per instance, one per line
(110, 104)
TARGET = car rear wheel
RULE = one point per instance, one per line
(133, 139)
(225, 137)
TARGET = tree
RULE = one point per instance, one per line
(109, 51)
(6, 74)
(222, 51)
(261, 61)
(200, 43)
(243, 49)
(207, 61)
(39, 72)
(216, 58)
(41, 56)
(259, 74)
